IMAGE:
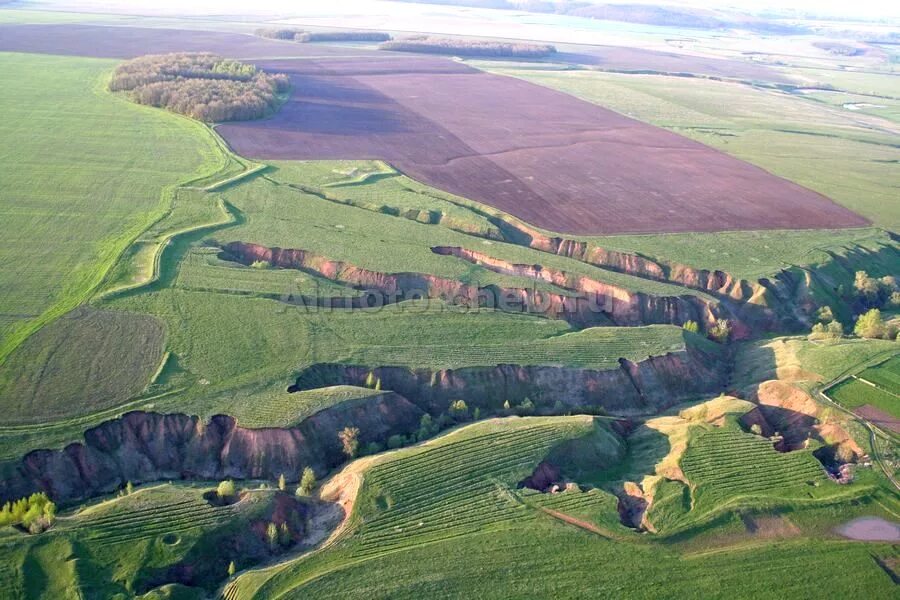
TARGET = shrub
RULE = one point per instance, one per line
(825, 314)
(200, 85)
(302, 36)
(35, 513)
(831, 331)
(459, 410)
(225, 489)
(692, 326)
(349, 437)
(307, 482)
(526, 407)
(129, 488)
(438, 45)
(259, 264)
(875, 293)
(871, 325)
(395, 441)
(721, 331)
(372, 448)
(426, 427)
(272, 536)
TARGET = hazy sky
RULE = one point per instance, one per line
(866, 9)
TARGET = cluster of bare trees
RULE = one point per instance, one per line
(437, 45)
(300, 35)
(203, 86)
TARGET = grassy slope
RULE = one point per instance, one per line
(79, 183)
(119, 545)
(812, 144)
(441, 520)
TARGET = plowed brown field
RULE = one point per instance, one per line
(553, 160)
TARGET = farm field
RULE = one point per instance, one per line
(531, 173)
(259, 359)
(886, 375)
(71, 208)
(836, 152)
(854, 394)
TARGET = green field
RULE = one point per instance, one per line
(854, 393)
(51, 378)
(886, 375)
(77, 191)
(429, 517)
(116, 296)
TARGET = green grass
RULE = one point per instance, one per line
(123, 545)
(853, 393)
(79, 183)
(816, 146)
(441, 521)
(799, 359)
(282, 216)
(86, 361)
(728, 467)
(886, 375)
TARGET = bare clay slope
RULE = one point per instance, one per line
(548, 158)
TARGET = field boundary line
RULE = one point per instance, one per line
(166, 241)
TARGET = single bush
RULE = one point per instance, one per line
(226, 490)
(349, 437)
(872, 325)
(721, 331)
(307, 482)
(691, 326)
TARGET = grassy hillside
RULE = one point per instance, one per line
(444, 520)
(131, 544)
(84, 173)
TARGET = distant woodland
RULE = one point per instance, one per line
(203, 86)
(437, 45)
(300, 35)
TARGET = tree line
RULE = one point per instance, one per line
(303, 36)
(438, 45)
(200, 85)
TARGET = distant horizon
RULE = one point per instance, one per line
(867, 10)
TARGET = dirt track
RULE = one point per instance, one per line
(548, 158)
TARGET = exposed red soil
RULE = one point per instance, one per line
(128, 42)
(879, 418)
(546, 157)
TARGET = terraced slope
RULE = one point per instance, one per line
(450, 507)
